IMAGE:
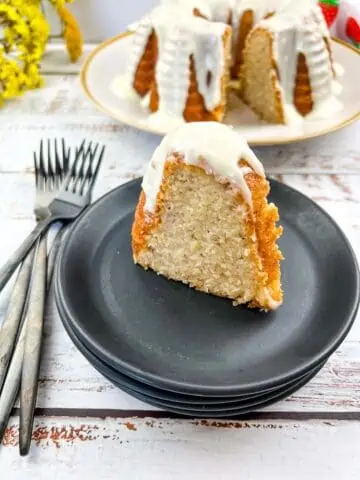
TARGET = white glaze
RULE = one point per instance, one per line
(299, 27)
(202, 40)
(188, 6)
(164, 121)
(179, 35)
(215, 10)
(266, 295)
(209, 145)
(139, 43)
(221, 10)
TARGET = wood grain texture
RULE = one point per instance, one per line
(326, 169)
(67, 379)
(62, 108)
(152, 449)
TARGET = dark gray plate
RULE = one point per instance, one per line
(220, 410)
(223, 411)
(172, 337)
(133, 386)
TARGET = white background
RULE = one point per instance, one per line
(101, 19)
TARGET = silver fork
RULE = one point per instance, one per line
(71, 199)
(51, 167)
(28, 364)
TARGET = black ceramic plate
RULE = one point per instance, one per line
(224, 411)
(193, 403)
(172, 337)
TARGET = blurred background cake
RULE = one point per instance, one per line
(276, 54)
(203, 217)
(168, 68)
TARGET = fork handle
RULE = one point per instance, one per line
(32, 349)
(18, 256)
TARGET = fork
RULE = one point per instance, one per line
(46, 178)
(51, 167)
(72, 198)
(79, 182)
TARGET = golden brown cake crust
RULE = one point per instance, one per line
(145, 71)
(302, 91)
(261, 221)
(267, 233)
(195, 109)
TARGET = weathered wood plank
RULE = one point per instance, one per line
(176, 449)
(326, 169)
(61, 109)
(67, 379)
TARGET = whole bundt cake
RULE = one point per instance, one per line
(276, 54)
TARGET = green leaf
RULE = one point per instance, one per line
(334, 3)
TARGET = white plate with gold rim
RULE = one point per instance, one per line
(109, 60)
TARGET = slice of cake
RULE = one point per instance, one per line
(203, 217)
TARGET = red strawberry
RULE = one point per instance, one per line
(330, 12)
(353, 30)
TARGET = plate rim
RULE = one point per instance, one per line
(222, 413)
(256, 143)
(168, 384)
(94, 361)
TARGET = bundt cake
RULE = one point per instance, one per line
(287, 69)
(276, 53)
(203, 217)
(180, 67)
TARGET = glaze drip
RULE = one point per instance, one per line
(298, 30)
(210, 145)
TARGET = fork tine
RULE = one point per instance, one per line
(36, 170)
(58, 167)
(41, 164)
(93, 153)
(81, 175)
(80, 150)
(95, 173)
(82, 145)
(50, 171)
(72, 170)
(88, 174)
(65, 158)
(72, 174)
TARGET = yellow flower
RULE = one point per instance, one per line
(72, 33)
(25, 33)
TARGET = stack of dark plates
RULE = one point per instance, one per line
(196, 354)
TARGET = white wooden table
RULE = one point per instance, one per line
(87, 428)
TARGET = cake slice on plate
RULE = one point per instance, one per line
(203, 217)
